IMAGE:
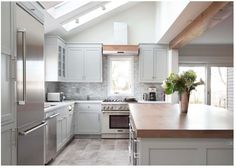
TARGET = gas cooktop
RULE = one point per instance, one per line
(120, 100)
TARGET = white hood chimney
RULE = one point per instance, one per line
(120, 33)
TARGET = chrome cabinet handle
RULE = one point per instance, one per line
(23, 32)
(52, 116)
(33, 129)
(136, 155)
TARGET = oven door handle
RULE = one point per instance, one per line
(116, 112)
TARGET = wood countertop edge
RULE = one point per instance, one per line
(184, 133)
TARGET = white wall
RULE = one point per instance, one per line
(166, 13)
(141, 26)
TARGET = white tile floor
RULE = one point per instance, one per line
(94, 152)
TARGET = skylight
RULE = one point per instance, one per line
(66, 7)
(93, 14)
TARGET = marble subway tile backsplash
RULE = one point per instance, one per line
(99, 91)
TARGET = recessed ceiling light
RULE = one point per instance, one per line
(93, 14)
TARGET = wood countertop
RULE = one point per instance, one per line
(166, 121)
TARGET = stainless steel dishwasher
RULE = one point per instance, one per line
(51, 136)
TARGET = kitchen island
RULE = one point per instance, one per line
(161, 135)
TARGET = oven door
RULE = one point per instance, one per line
(115, 122)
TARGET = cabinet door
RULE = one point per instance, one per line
(69, 125)
(88, 123)
(7, 91)
(59, 61)
(59, 132)
(8, 145)
(146, 64)
(220, 156)
(93, 64)
(75, 64)
(160, 66)
(64, 129)
(63, 63)
(6, 27)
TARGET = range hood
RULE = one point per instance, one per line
(121, 50)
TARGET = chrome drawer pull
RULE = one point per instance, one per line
(52, 116)
(33, 129)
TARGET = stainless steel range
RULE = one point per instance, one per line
(115, 118)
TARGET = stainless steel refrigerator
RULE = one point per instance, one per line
(30, 89)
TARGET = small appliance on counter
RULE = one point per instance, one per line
(55, 97)
(145, 97)
(152, 94)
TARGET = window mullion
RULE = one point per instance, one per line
(208, 85)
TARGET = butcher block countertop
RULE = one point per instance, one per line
(166, 121)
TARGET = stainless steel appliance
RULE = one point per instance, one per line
(51, 136)
(30, 89)
(152, 94)
(115, 118)
(55, 97)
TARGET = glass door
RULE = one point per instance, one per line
(218, 85)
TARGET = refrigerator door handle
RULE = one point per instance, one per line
(23, 32)
(33, 129)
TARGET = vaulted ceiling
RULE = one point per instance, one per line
(68, 17)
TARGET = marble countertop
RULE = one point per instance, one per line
(49, 106)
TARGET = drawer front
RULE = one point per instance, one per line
(89, 107)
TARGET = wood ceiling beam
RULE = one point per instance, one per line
(199, 25)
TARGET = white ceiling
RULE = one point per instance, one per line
(54, 26)
(220, 34)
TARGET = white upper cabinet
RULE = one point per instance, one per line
(146, 64)
(160, 64)
(6, 24)
(84, 63)
(153, 63)
(93, 64)
(55, 59)
(75, 59)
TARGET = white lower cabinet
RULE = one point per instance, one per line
(64, 125)
(8, 144)
(185, 151)
(88, 123)
(59, 132)
(64, 129)
(70, 125)
(87, 118)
